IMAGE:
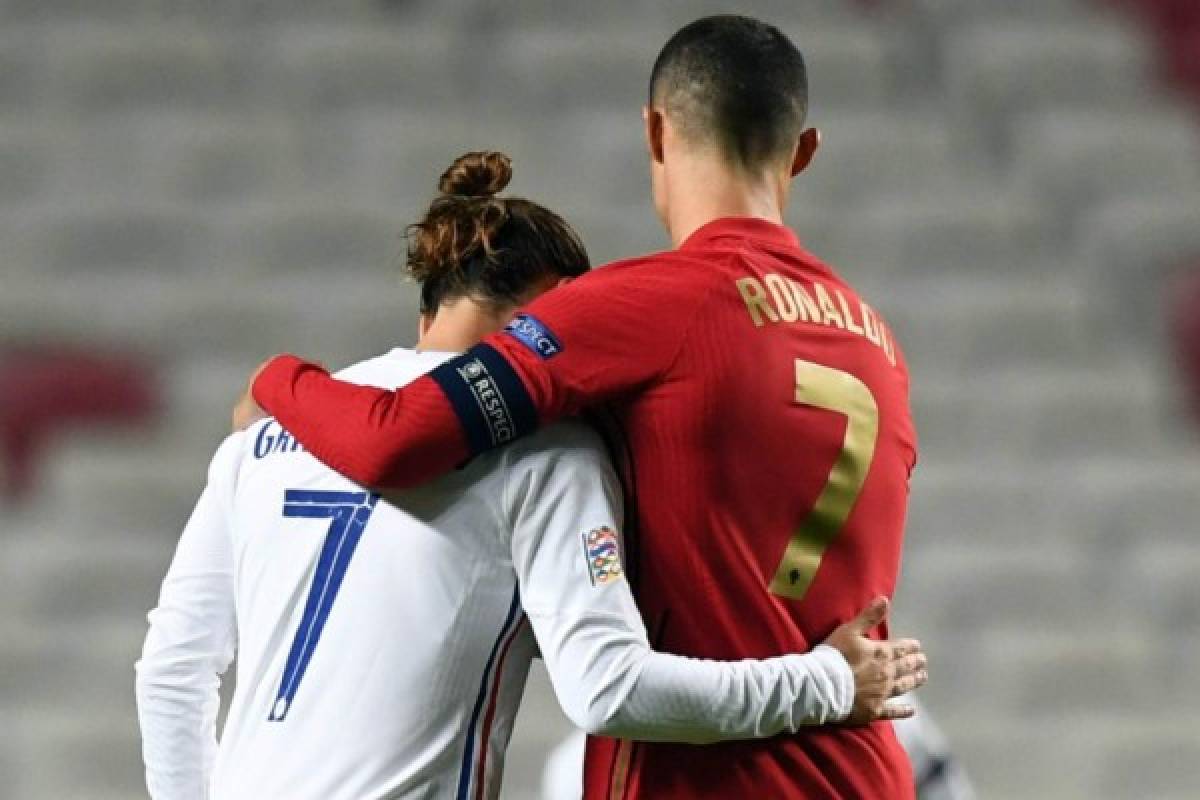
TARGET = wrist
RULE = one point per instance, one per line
(836, 673)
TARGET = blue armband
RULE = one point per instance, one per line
(488, 397)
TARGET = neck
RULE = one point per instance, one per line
(458, 325)
(703, 189)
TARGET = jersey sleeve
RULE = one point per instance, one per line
(607, 334)
(564, 506)
(191, 641)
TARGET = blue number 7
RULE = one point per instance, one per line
(348, 513)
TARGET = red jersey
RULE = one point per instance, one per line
(760, 408)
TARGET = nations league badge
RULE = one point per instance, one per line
(603, 556)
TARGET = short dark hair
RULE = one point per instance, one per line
(734, 81)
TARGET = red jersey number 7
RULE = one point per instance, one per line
(832, 390)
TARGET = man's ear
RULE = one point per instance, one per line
(806, 148)
(654, 132)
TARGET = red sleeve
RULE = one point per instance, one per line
(372, 436)
(608, 334)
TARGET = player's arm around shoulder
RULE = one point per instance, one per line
(191, 641)
(563, 508)
(562, 503)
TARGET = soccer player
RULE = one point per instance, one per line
(383, 641)
(761, 404)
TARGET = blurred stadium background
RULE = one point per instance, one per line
(186, 188)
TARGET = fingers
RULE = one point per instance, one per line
(871, 616)
(886, 670)
(908, 672)
(893, 711)
(910, 664)
(908, 683)
(246, 413)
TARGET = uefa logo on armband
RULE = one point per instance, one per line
(602, 555)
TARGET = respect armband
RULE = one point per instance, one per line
(488, 397)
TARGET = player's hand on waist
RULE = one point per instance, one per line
(246, 411)
(882, 670)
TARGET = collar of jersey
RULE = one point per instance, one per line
(759, 230)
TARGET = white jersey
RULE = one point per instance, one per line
(383, 641)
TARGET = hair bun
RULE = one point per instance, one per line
(479, 174)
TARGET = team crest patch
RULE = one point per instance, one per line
(603, 556)
(529, 331)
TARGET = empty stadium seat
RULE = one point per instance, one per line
(1131, 245)
(24, 164)
(1185, 334)
(227, 161)
(56, 10)
(1127, 508)
(873, 152)
(985, 10)
(20, 82)
(105, 69)
(119, 237)
(323, 67)
(978, 230)
(997, 69)
(60, 752)
(614, 17)
(313, 234)
(1076, 157)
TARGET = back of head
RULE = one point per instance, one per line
(495, 250)
(736, 83)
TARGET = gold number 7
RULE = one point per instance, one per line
(833, 390)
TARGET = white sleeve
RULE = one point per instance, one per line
(191, 641)
(563, 506)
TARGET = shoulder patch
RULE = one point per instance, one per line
(602, 555)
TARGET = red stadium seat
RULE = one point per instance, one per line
(1185, 333)
(1177, 25)
(46, 388)
(1172, 14)
(1184, 60)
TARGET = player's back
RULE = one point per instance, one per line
(768, 471)
(406, 686)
